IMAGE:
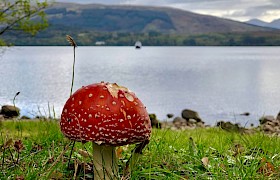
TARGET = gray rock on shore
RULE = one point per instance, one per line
(270, 124)
(266, 119)
(170, 115)
(190, 114)
(9, 111)
(154, 121)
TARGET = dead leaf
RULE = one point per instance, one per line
(238, 149)
(8, 143)
(267, 168)
(50, 160)
(81, 167)
(20, 177)
(36, 148)
(84, 153)
(56, 175)
(18, 145)
(222, 166)
(119, 152)
(205, 161)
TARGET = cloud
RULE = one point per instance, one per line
(235, 9)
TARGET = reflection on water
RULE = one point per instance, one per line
(218, 82)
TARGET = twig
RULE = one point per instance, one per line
(58, 158)
(76, 165)
(53, 112)
(3, 159)
(71, 153)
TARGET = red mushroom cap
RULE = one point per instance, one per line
(106, 114)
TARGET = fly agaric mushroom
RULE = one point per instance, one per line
(108, 115)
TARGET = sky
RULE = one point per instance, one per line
(240, 10)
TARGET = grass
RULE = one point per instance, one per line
(43, 153)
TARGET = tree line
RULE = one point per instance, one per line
(24, 22)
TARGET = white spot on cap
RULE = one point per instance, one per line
(65, 110)
(114, 103)
(90, 126)
(129, 97)
(98, 142)
(128, 117)
(89, 116)
(73, 99)
(80, 102)
(121, 120)
(90, 95)
(101, 97)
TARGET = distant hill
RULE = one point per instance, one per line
(257, 22)
(95, 24)
(274, 24)
(140, 19)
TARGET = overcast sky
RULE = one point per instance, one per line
(241, 10)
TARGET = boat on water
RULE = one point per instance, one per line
(138, 45)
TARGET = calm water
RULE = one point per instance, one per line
(218, 82)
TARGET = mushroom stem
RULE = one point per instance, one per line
(105, 162)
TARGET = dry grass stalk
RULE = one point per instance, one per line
(71, 41)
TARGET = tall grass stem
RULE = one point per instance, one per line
(74, 44)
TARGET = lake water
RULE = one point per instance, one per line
(218, 82)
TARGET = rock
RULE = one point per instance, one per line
(170, 115)
(245, 114)
(271, 123)
(9, 111)
(178, 120)
(1, 117)
(154, 121)
(41, 117)
(200, 124)
(180, 123)
(173, 128)
(265, 119)
(190, 114)
(278, 116)
(228, 126)
(25, 117)
(192, 121)
(268, 129)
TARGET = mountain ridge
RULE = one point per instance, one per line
(127, 18)
(115, 25)
(273, 24)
